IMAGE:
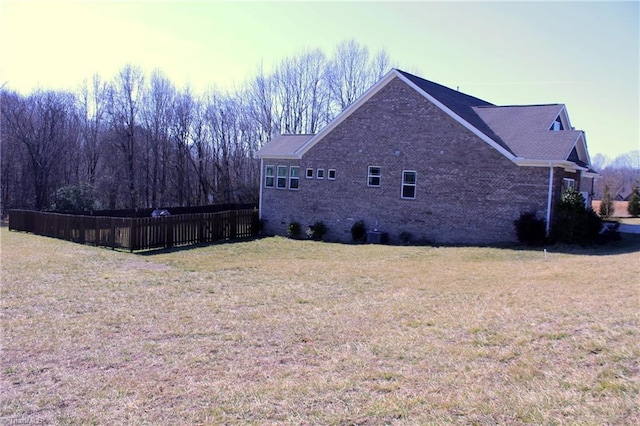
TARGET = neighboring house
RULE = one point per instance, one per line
(623, 196)
(412, 156)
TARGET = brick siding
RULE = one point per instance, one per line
(467, 192)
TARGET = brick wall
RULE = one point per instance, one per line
(467, 192)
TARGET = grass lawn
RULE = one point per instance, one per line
(276, 331)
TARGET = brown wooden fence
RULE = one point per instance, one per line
(141, 233)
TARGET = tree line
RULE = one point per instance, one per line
(138, 141)
(619, 175)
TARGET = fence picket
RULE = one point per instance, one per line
(138, 233)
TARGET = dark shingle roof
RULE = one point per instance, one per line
(460, 103)
(526, 130)
(522, 131)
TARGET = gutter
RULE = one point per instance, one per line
(260, 183)
(549, 198)
(569, 166)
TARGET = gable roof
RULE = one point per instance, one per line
(520, 133)
(284, 146)
(460, 103)
(526, 128)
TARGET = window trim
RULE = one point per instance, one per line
(330, 172)
(405, 184)
(568, 183)
(293, 178)
(320, 173)
(309, 173)
(267, 176)
(370, 176)
(279, 176)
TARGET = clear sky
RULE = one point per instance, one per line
(582, 54)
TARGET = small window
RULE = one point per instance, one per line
(282, 177)
(557, 125)
(309, 173)
(409, 184)
(269, 176)
(294, 177)
(374, 176)
(568, 183)
(320, 173)
(332, 174)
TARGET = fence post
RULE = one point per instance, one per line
(97, 237)
(81, 227)
(132, 234)
(112, 237)
(169, 225)
(233, 224)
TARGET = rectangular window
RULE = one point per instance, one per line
(320, 173)
(282, 177)
(269, 176)
(294, 177)
(332, 174)
(409, 184)
(568, 183)
(309, 173)
(374, 175)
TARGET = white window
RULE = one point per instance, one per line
(409, 182)
(282, 177)
(332, 174)
(269, 176)
(557, 125)
(309, 173)
(374, 174)
(294, 177)
(568, 183)
(320, 173)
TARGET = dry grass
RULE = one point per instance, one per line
(276, 331)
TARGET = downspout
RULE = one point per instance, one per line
(549, 199)
(260, 186)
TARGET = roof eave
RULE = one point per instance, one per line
(565, 164)
(279, 157)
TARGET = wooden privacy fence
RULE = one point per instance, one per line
(139, 233)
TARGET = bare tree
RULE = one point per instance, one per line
(13, 191)
(202, 155)
(352, 71)
(184, 112)
(124, 104)
(619, 174)
(143, 144)
(157, 114)
(301, 97)
(93, 106)
(42, 124)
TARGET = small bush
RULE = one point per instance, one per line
(359, 232)
(606, 204)
(405, 237)
(634, 202)
(75, 198)
(317, 231)
(573, 223)
(294, 230)
(530, 229)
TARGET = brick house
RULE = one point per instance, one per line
(412, 156)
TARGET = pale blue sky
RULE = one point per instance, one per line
(582, 54)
